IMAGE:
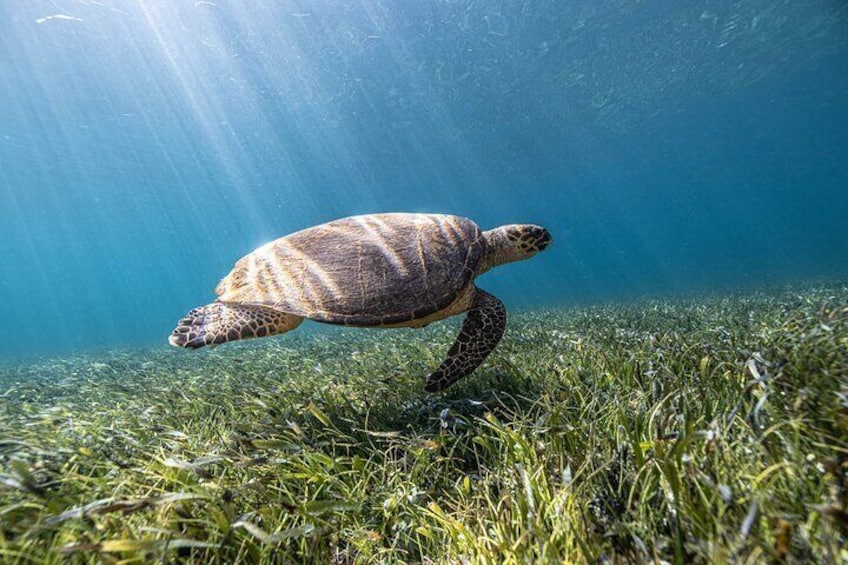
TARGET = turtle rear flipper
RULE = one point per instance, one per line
(219, 322)
(481, 331)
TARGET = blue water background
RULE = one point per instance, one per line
(670, 147)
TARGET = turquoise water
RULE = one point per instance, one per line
(670, 148)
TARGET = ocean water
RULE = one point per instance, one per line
(669, 147)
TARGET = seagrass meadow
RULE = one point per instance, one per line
(709, 429)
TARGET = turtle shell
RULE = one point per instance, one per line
(368, 270)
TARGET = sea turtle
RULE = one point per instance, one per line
(376, 270)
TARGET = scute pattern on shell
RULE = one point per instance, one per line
(371, 270)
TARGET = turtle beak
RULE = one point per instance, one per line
(539, 238)
(544, 240)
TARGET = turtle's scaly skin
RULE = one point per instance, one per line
(218, 322)
(481, 331)
(379, 270)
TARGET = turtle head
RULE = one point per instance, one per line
(514, 242)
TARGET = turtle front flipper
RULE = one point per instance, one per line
(219, 322)
(481, 331)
